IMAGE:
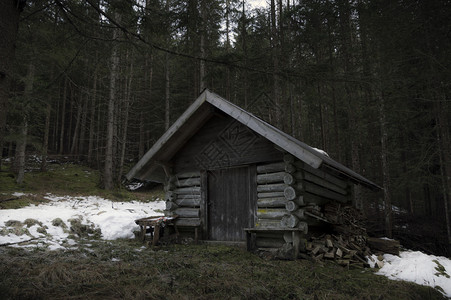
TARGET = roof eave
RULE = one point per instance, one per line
(147, 157)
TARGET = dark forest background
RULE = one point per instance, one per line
(367, 81)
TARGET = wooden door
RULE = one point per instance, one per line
(231, 203)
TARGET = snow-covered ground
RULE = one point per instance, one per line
(48, 225)
(415, 266)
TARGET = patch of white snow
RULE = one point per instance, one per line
(114, 219)
(415, 266)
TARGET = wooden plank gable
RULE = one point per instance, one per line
(221, 143)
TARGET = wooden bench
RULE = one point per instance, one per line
(296, 234)
(154, 223)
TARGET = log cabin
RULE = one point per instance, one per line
(230, 176)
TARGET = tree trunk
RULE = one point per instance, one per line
(167, 94)
(63, 118)
(71, 116)
(114, 64)
(9, 22)
(74, 148)
(92, 116)
(45, 143)
(276, 68)
(84, 116)
(385, 168)
(22, 142)
(202, 70)
(244, 46)
(125, 120)
(142, 114)
(444, 145)
(20, 151)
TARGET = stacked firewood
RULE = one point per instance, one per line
(347, 242)
(345, 250)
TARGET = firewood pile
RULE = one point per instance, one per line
(345, 250)
(347, 242)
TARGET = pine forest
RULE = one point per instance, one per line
(369, 82)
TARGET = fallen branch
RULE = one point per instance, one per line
(15, 243)
(9, 199)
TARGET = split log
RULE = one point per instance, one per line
(330, 254)
(188, 202)
(271, 202)
(329, 243)
(384, 245)
(189, 222)
(187, 190)
(278, 187)
(185, 212)
(272, 213)
(270, 177)
(270, 195)
(271, 168)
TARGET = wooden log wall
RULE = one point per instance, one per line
(183, 198)
(292, 194)
(308, 190)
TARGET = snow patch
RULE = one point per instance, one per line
(18, 194)
(52, 220)
(420, 268)
(321, 151)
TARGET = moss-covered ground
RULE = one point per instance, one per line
(63, 178)
(127, 270)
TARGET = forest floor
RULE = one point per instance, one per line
(125, 269)
(91, 267)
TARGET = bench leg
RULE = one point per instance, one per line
(296, 244)
(156, 235)
(143, 232)
(250, 241)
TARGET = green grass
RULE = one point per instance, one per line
(123, 270)
(62, 179)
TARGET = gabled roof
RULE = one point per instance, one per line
(151, 165)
